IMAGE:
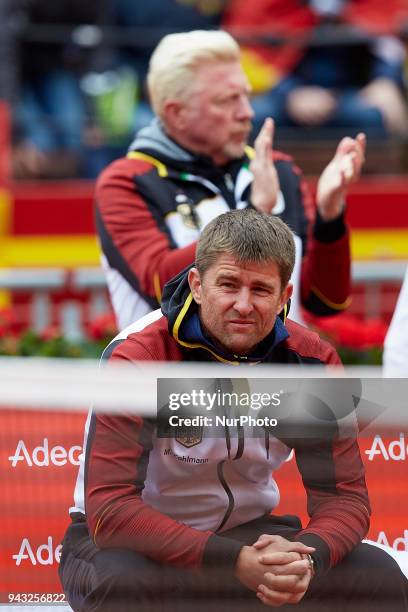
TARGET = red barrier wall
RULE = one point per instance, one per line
(38, 464)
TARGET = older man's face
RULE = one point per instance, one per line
(217, 113)
(239, 302)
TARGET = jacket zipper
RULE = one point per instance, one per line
(220, 473)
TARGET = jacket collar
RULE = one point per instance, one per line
(152, 142)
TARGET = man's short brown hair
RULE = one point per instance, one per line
(249, 236)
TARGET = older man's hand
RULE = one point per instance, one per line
(276, 569)
(265, 185)
(344, 169)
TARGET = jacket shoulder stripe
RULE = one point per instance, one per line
(134, 327)
(161, 168)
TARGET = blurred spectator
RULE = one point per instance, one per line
(176, 16)
(334, 85)
(116, 96)
(51, 114)
(395, 357)
(8, 83)
(8, 52)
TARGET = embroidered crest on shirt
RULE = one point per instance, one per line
(188, 436)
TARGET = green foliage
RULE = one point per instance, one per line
(367, 357)
(357, 342)
(31, 344)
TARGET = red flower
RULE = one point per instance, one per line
(51, 333)
(8, 323)
(102, 327)
(349, 331)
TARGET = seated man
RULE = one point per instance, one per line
(149, 530)
(192, 164)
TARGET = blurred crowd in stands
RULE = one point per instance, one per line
(73, 72)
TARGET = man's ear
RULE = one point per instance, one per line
(194, 281)
(286, 294)
(174, 114)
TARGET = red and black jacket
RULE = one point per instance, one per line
(125, 461)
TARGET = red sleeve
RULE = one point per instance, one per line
(326, 263)
(334, 478)
(326, 276)
(129, 232)
(117, 516)
(116, 460)
(329, 462)
(337, 499)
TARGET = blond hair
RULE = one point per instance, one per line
(177, 57)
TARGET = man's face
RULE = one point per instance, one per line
(215, 118)
(238, 302)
